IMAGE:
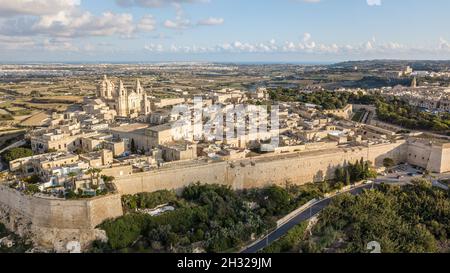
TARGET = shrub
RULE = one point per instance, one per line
(32, 189)
(388, 163)
(16, 153)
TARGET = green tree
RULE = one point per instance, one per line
(94, 173)
(340, 174)
(32, 189)
(72, 177)
(97, 173)
(108, 180)
(388, 162)
(348, 180)
(133, 148)
(16, 153)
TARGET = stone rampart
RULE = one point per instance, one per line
(53, 222)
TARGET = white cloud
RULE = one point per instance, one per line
(368, 46)
(178, 23)
(369, 2)
(211, 21)
(306, 37)
(154, 47)
(306, 46)
(76, 23)
(147, 23)
(13, 43)
(444, 44)
(59, 45)
(10, 8)
(155, 3)
(374, 2)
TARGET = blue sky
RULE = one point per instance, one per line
(223, 30)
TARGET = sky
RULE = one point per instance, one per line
(223, 30)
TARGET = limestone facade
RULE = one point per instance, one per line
(127, 104)
(52, 223)
(65, 219)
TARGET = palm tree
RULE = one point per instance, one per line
(108, 180)
(97, 172)
(91, 173)
(72, 176)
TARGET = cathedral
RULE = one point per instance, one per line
(127, 104)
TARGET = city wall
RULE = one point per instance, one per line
(52, 223)
(298, 168)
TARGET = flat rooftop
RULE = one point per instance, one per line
(58, 156)
(130, 127)
(179, 146)
(162, 127)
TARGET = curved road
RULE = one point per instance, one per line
(305, 215)
(390, 179)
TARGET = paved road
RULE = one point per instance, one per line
(317, 207)
(305, 215)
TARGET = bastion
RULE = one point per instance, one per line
(52, 223)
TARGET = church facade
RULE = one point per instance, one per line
(127, 104)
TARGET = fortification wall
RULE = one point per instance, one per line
(308, 167)
(173, 178)
(299, 168)
(445, 160)
(53, 223)
(440, 158)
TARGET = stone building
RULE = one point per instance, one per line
(133, 134)
(345, 113)
(176, 151)
(433, 156)
(127, 104)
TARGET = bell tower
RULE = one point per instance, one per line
(122, 100)
(139, 89)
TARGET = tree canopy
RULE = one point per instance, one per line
(409, 219)
(16, 153)
(212, 217)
